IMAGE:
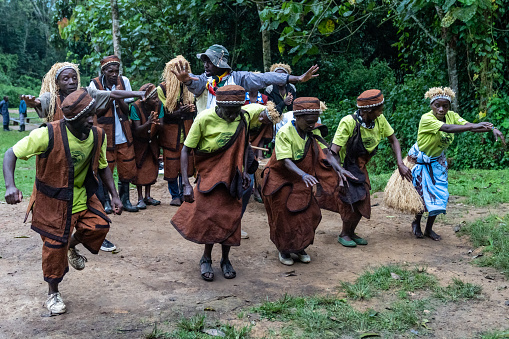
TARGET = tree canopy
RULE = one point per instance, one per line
(400, 46)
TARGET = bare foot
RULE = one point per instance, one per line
(432, 235)
(416, 229)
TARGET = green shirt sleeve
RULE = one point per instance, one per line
(429, 124)
(457, 120)
(103, 162)
(134, 114)
(385, 127)
(283, 146)
(33, 144)
(344, 131)
(194, 135)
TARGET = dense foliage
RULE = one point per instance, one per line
(400, 46)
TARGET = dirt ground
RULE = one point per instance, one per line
(155, 276)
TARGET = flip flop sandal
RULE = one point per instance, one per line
(226, 267)
(347, 243)
(359, 241)
(207, 269)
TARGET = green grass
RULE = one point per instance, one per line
(25, 170)
(480, 187)
(492, 233)
(192, 328)
(381, 279)
(496, 335)
(414, 294)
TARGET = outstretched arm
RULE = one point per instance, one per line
(310, 74)
(107, 179)
(31, 101)
(396, 147)
(12, 194)
(119, 94)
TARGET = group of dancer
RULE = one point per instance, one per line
(206, 130)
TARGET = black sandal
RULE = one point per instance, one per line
(206, 269)
(227, 268)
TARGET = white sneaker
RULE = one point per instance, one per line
(76, 259)
(244, 235)
(285, 261)
(55, 304)
(304, 257)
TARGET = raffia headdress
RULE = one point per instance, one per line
(435, 93)
(49, 84)
(283, 67)
(173, 85)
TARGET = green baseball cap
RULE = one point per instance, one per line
(218, 55)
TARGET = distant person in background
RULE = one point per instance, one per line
(282, 95)
(4, 109)
(147, 118)
(22, 115)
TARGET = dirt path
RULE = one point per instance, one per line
(155, 277)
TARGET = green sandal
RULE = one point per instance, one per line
(358, 240)
(346, 243)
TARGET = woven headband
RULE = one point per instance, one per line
(310, 110)
(231, 102)
(373, 105)
(440, 96)
(61, 69)
(109, 62)
(86, 109)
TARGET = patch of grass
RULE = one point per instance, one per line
(389, 277)
(332, 317)
(329, 317)
(25, 170)
(458, 290)
(193, 327)
(492, 233)
(495, 335)
(481, 187)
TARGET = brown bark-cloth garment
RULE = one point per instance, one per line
(172, 143)
(146, 151)
(292, 209)
(215, 215)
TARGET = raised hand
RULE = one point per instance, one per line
(31, 101)
(182, 73)
(289, 99)
(310, 74)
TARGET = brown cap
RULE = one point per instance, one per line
(306, 105)
(370, 98)
(110, 59)
(231, 95)
(76, 104)
(150, 90)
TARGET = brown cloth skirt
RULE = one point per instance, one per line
(215, 215)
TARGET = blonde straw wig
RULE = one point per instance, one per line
(284, 67)
(173, 85)
(435, 93)
(49, 84)
(272, 113)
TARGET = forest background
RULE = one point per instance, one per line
(401, 47)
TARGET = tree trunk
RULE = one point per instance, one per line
(450, 52)
(115, 31)
(265, 41)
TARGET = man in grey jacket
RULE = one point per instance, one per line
(218, 74)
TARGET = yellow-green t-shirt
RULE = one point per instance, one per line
(430, 139)
(289, 144)
(209, 132)
(81, 152)
(370, 137)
